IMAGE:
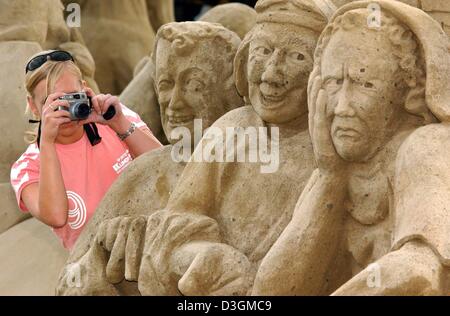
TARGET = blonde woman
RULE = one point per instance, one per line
(71, 163)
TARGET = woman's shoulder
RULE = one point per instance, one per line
(28, 161)
(31, 153)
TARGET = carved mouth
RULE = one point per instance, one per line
(180, 119)
(347, 132)
(272, 100)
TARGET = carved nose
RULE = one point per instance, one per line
(176, 102)
(273, 73)
(344, 106)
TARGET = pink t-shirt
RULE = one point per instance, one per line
(88, 172)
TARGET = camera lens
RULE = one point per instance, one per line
(80, 111)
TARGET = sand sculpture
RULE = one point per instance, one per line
(373, 219)
(438, 9)
(203, 69)
(141, 97)
(238, 17)
(119, 34)
(247, 202)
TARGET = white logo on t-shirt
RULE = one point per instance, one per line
(122, 162)
(77, 214)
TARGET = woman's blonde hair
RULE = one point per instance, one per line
(51, 71)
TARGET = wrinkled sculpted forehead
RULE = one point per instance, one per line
(362, 52)
(204, 57)
(285, 36)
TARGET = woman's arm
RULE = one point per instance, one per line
(53, 204)
(47, 200)
(139, 142)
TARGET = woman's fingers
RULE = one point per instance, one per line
(53, 97)
(108, 101)
(53, 106)
(97, 103)
(100, 99)
(94, 99)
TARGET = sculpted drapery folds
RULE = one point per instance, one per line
(362, 227)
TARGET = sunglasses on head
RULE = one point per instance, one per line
(38, 61)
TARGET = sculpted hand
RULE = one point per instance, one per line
(214, 269)
(412, 270)
(86, 276)
(123, 238)
(328, 161)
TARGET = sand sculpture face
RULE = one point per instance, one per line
(187, 89)
(363, 93)
(279, 64)
(187, 81)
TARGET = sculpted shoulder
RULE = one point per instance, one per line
(425, 151)
(433, 137)
(241, 117)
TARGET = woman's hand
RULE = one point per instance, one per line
(100, 104)
(52, 118)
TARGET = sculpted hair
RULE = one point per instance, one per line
(406, 50)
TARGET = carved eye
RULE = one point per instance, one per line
(297, 56)
(263, 51)
(333, 85)
(164, 84)
(194, 85)
(369, 85)
(335, 82)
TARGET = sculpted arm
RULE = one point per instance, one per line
(298, 261)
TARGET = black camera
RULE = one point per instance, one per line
(80, 107)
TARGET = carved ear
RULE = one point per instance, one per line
(240, 67)
(415, 103)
